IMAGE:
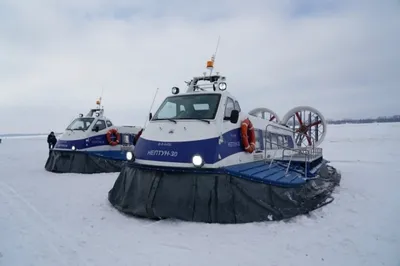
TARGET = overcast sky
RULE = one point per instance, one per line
(341, 57)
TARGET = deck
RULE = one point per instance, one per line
(264, 172)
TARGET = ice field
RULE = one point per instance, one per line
(65, 219)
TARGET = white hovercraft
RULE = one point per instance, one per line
(201, 158)
(92, 144)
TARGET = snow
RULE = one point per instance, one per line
(65, 219)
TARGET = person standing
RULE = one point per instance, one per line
(51, 140)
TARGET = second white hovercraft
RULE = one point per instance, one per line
(201, 158)
(92, 144)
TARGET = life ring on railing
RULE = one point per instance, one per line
(113, 132)
(248, 136)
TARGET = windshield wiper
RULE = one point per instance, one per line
(204, 120)
(169, 119)
(173, 120)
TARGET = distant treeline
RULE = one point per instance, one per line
(25, 135)
(381, 119)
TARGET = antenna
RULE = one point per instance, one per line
(151, 107)
(101, 96)
(211, 65)
(216, 49)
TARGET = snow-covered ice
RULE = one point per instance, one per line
(51, 219)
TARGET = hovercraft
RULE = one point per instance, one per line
(92, 144)
(202, 159)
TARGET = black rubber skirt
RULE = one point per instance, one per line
(80, 162)
(215, 197)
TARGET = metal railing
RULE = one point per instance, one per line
(307, 152)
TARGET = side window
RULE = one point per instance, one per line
(168, 111)
(109, 124)
(285, 141)
(268, 139)
(259, 139)
(274, 141)
(237, 106)
(280, 141)
(101, 124)
(230, 105)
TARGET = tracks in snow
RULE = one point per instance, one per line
(38, 225)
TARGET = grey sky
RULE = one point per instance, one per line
(341, 57)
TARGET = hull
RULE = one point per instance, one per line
(60, 161)
(247, 193)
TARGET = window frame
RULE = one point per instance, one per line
(100, 120)
(167, 100)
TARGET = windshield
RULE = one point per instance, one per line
(81, 123)
(202, 106)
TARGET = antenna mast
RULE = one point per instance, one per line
(151, 107)
(210, 64)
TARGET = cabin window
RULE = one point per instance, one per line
(201, 106)
(277, 141)
(259, 139)
(109, 124)
(268, 144)
(194, 106)
(167, 111)
(280, 141)
(81, 123)
(230, 105)
(285, 141)
(100, 124)
(237, 106)
(274, 141)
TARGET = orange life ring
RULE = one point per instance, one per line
(114, 132)
(248, 136)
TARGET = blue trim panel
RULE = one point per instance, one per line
(177, 152)
(108, 155)
(182, 151)
(115, 155)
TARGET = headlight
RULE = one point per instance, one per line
(73, 148)
(197, 161)
(222, 86)
(129, 155)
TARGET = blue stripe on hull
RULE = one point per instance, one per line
(111, 155)
(183, 151)
(114, 155)
(94, 141)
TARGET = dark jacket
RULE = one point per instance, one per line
(51, 140)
